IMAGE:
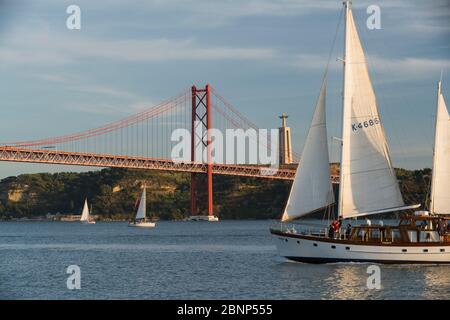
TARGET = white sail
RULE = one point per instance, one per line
(440, 186)
(142, 206)
(312, 189)
(368, 184)
(85, 212)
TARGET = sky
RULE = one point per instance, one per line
(264, 56)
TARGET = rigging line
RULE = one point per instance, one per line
(115, 125)
(236, 125)
(92, 132)
(333, 44)
(233, 109)
(240, 116)
(330, 54)
(234, 120)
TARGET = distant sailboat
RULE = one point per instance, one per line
(368, 184)
(85, 215)
(141, 220)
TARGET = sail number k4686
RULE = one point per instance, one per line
(365, 124)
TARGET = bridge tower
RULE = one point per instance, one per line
(285, 141)
(201, 138)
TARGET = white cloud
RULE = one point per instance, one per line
(107, 109)
(27, 56)
(408, 68)
(79, 84)
(56, 78)
(310, 61)
(104, 91)
(25, 47)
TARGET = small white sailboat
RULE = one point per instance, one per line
(368, 184)
(85, 214)
(141, 220)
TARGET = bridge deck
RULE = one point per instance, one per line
(15, 154)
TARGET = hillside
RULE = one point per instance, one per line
(113, 194)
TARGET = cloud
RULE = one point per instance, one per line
(408, 68)
(106, 109)
(26, 56)
(25, 47)
(56, 78)
(123, 102)
(104, 90)
(311, 61)
(79, 84)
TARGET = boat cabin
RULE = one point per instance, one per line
(412, 229)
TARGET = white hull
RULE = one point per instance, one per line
(87, 222)
(203, 218)
(142, 224)
(316, 250)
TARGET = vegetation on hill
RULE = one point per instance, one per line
(114, 192)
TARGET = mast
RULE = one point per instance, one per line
(433, 175)
(347, 6)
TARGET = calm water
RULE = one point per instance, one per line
(183, 260)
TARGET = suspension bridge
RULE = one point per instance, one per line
(143, 141)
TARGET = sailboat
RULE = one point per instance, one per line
(85, 214)
(141, 220)
(368, 184)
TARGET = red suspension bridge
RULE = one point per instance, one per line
(143, 141)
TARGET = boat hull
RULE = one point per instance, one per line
(88, 222)
(314, 249)
(203, 218)
(142, 225)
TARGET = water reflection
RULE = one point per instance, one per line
(348, 281)
(436, 282)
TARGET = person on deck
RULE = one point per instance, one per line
(348, 231)
(334, 229)
(338, 228)
(331, 231)
(441, 227)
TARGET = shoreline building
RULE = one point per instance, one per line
(285, 144)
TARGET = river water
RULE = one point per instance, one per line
(186, 260)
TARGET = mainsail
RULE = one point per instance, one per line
(311, 189)
(368, 184)
(440, 186)
(85, 212)
(142, 206)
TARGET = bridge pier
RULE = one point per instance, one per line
(201, 114)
